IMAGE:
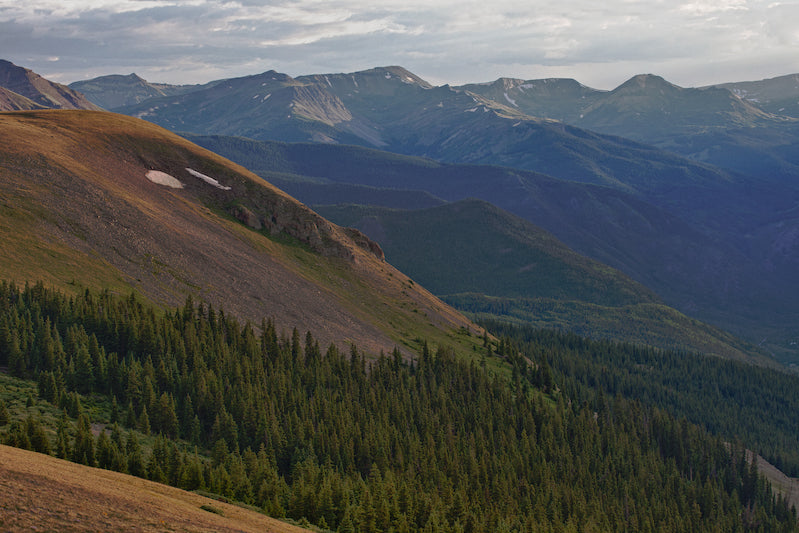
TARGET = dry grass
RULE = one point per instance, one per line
(41, 493)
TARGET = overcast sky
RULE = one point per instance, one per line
(600, 43)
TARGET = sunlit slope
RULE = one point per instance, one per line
(43, 493)
(77, 209)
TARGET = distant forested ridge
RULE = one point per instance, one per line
(356, 443)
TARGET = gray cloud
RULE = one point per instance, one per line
(690, 42)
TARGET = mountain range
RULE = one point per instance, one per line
(713, 243)
(734, 250)
(716, 125)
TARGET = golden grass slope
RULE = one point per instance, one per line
(77, 210)
(42, 493)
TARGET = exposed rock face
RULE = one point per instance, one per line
(245, 216)
(366, 243)
(277, 215)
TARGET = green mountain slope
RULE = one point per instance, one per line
(78, 210)
(490, 263)
(472, 246)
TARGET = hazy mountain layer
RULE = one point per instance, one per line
(490, 263)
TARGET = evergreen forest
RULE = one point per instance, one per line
(541, 432)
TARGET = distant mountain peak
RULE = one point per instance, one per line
(646, 83)
(39, 90)
(272, 74)
(391, 72)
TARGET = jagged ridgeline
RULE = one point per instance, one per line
(195, 398)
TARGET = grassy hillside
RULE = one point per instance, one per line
(79, 211)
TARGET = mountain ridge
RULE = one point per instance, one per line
(39, 90)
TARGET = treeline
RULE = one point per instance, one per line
(729, 398)
(357, 444)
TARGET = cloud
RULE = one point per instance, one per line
(600, 43)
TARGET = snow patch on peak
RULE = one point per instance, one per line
(207, 179)
(162, 178)
(511, 100)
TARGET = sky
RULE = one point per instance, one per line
(599, 43)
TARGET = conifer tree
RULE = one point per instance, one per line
(83, 449)
(136, 465)
(143, 423)
(62, 447)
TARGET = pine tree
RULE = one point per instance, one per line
(191, 475)
(83, 449)
(105, 453)
(83, 377)
(136, 466)
(62, 447)
(143, 423)
(17, 362)
(168, 419)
